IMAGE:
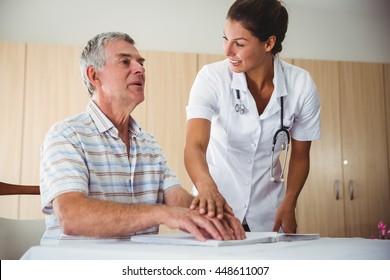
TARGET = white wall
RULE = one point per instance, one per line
(355, 30)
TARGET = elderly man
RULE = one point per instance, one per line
(102, 178)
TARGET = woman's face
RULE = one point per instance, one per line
(245, 51)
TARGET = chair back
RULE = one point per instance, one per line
(11, 189)
(17, 236)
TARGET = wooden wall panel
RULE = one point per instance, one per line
(12, 59)
(169, 77)
(53, 92)
(203, 59)
(288, 60)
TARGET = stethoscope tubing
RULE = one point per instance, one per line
(240, 108)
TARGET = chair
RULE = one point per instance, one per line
(10, 189)
(17, 236)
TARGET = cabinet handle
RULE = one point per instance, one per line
(351, 190)
(337, 189)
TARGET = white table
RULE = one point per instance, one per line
(320, 249)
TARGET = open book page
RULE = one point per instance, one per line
(188, 239)
(252, 238)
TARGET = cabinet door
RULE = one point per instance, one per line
(364, 143)
(11, 120)
(387, 104)
(320, 206)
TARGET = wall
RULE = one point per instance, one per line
(348, 30)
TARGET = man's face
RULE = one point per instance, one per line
(122, 78)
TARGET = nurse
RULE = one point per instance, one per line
(245, 111)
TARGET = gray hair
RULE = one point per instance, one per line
(94, 54)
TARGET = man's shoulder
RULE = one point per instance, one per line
(70, 125)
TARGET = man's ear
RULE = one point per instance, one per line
(92, 75)
(270, 43)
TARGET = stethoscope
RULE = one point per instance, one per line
(281, 132)
(240, 107)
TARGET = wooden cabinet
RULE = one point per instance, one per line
(387, 105)
(347, 192)
(319, 209)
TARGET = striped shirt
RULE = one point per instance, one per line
(85, 154)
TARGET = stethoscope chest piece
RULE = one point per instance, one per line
(240, 107)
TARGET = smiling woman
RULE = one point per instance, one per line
(273, 98)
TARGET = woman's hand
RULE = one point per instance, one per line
(285, 219)
(212, 203)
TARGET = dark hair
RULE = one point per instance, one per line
(263, 18)
(94, 54)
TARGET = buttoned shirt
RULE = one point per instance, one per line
(239, 150)
(85, 154)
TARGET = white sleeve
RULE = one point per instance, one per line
(204, 96)
(307, 124)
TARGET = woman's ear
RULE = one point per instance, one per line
(270, 43)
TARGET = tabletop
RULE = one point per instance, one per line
(321, 249)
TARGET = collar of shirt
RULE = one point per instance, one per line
(280, 90)
(279, 79)
(103, 124)
(239, 80)
(239, 83)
